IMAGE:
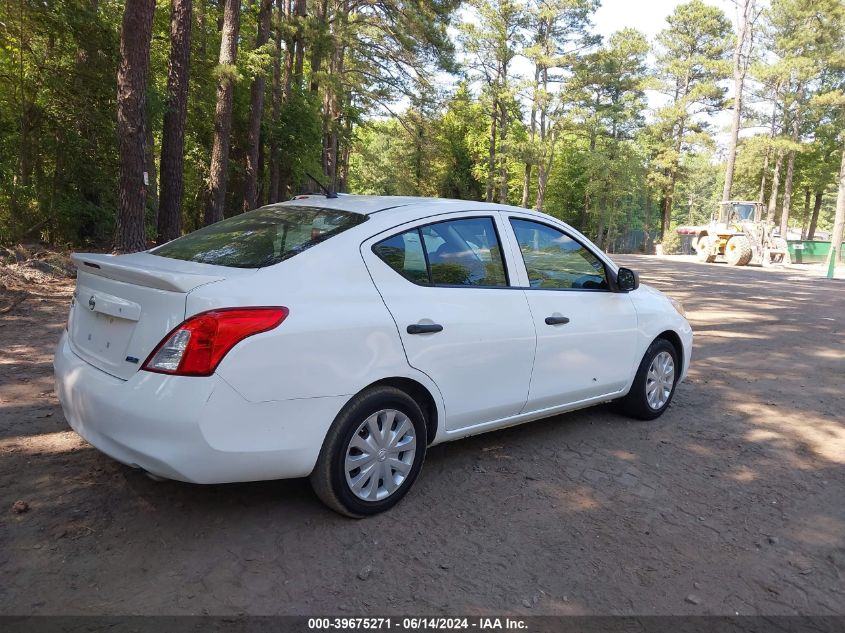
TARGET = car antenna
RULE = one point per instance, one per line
(329, 193)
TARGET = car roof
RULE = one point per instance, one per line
(369, 205)
(393, 211)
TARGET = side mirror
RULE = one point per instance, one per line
(627, 280)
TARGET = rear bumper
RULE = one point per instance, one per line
(198, 430)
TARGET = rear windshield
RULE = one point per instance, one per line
(260, 238)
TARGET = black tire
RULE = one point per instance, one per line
(702, 250)
(329, 476)
(738, 251)
(635, 404)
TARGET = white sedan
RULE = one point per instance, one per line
(338, 338)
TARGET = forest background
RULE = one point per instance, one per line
(129, 122)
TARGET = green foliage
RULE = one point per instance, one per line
(378, 165)
(671, 242)
(691, 60)
(373, 79)
(300, 133)
(699, 190)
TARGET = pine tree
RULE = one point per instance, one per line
(256, 111)
(690, 63)
(135, 37)
(227, 75)
(173, 133)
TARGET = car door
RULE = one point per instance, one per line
(446, 285)
(586, 334)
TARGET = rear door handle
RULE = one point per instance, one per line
(557, 320)
(424, 328)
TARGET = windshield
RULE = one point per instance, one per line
(260, 238)
(743, 212)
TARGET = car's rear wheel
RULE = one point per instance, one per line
(372, 453)
(655, 382)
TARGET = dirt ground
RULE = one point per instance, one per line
(732, 502)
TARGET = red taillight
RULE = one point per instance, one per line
(196, 347)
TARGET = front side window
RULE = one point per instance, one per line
(463, 252)
(556, 261)
(259, 238)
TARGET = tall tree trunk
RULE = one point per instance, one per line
(544, 169)
(585, 210)
(343, 181)
(542, 179)
(284, 11)
(150, 179)
(300, 11)
(526, 181)
(611, 219)
(542, 164)
(600, 231)
(135, 36)
(297, 48)
(503, 158)
(762, 194)
(491, 152)
(669, 196)
(835, 253)
(668, 201)
(169, 225)
(334, 100)
(734, 137)
(256, 104)
(223, 112)
(317, 53)
(526, 184)
(745, 11)
(262, 172)
(772, 131)
(647, 249)
(773, 195)
(790, 165)
(814, 220)
(805, 216)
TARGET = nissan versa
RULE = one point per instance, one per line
(337, 338)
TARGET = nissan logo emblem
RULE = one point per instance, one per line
(92, 302)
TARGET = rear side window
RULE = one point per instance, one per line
(404, 254)
(464, 252)
(260, 238)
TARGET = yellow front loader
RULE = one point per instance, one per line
(740, 235)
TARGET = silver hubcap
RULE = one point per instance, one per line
(380, 455)
(660, 380)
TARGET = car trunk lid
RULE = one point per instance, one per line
(124, 305)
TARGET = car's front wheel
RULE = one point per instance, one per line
(372, 453)
(655, 382)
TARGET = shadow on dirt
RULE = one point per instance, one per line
(729, 503)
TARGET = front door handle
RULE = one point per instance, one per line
(424, 328)
(557, 320)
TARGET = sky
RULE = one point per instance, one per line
(648, 16)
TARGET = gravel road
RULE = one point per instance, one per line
(732, 502)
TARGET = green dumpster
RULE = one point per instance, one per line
(811, 251)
